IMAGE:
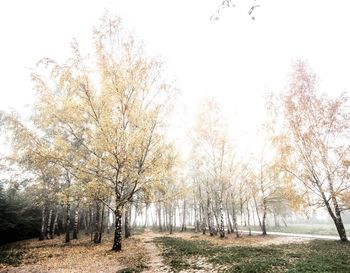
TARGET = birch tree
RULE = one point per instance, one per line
(112, 107)
(213, 152)
(318, 146)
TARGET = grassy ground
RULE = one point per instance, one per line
(319, 229)
(182, 251)
(313, 256)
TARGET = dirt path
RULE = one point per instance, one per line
(297, 235)
(155, 263)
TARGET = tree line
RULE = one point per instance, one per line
(95, 154)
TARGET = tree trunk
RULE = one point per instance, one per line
(68, 223)
(127, 222)
(235, 220)
(160, 218)
(166, 220)
(55, 229)
(196, 217)
(48, 228)
(91, 217)
(210, 222)
(63, 221)
(275, 218)
(241, 210)
(341, 229)
(336, 217)
(135, 216)
(203, 223)
(230, 228)
(263, 223)
(338, 221)
(222, 227)
(214, 212)
(42, 231)
(97, 223)
(101, 224)
(170, 219)
(257, 211)
(117, 241)
(253, 215)
(146, 216)
(68, 180)
(86, 223)
(183, 228)
(174, 216)
(248, 217)
(108, 221)
(75, 226)
(284, 222)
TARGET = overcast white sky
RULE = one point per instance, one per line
(235, 59)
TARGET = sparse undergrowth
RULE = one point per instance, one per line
(316, 256)
(11, 254)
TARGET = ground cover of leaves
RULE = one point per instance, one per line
(77, 256)
(152, 252)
